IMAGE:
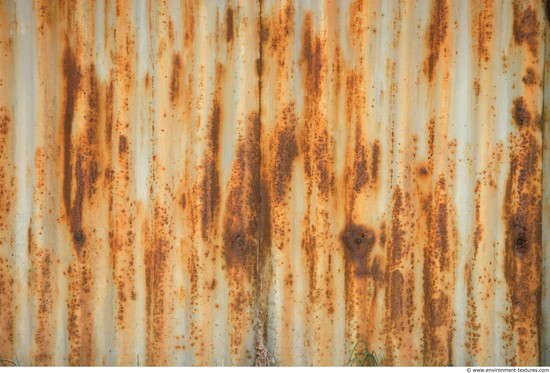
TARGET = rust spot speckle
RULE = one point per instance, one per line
(396, 290)
(286, 150)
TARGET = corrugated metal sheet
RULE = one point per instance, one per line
(199, 182)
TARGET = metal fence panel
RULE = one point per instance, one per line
(256, 181)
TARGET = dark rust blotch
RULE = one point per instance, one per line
(530, 77)
(520, 113)
(526, 27)
(122, 144)
(358, 240)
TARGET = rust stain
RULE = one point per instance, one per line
(523, 248)
(241, 217)
(438, 264)
(526, 27)
(360, 166)
(375, 161)
(316, 139)
(437, 34)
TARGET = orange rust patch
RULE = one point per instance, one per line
(526, 27)
(437, 34)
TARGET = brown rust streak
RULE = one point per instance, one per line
(82, 166)
(229, 24)
(175, 78)
(157, 287)
(88, 161)
(43, 279)
(8, 285)
(316, 137)
(210, 184)
(523, 248)
(437, 277)
(400, 305)
(241, 230)
(43, 338)
(437, 33)
(241, 215)
(72, 77)
(473, 326)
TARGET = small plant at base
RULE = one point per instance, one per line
(360, 356)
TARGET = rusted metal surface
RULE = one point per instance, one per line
(196, 182)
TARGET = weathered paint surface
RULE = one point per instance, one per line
(195, 182)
